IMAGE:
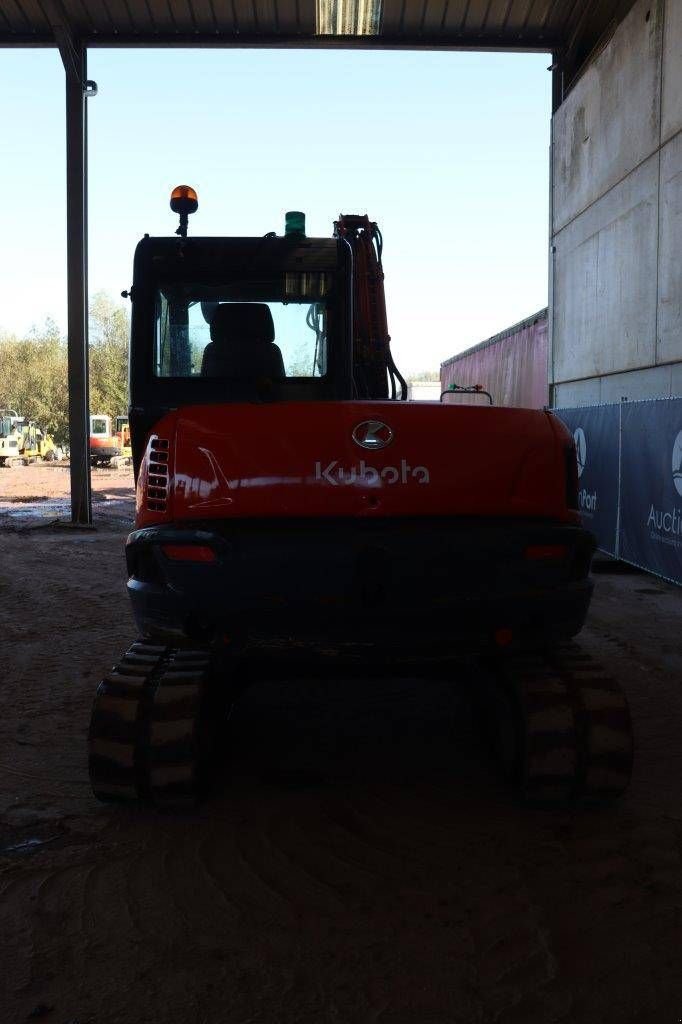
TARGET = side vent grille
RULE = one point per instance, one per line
(157, 480)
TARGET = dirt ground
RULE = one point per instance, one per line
(360, 861)
(47, 483)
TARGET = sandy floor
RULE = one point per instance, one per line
(359, 862)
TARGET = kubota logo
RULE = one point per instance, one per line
(338, 475)
(580, 449)
(677, 463)
(372, 434)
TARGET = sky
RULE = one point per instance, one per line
(448, 152)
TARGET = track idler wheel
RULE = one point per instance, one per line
(152, 726)
(560, 726)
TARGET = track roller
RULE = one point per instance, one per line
(152, 726)
(560, 726)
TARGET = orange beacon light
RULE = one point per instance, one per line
(183, 201)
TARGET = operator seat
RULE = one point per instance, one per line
(242, 347)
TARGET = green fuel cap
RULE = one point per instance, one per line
(294, 223)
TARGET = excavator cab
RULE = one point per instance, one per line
(272, 319)
(232, 320)
(11, 438)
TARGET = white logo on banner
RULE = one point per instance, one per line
(580, 449)
(677, 463)
(588, 502)
(666, 527)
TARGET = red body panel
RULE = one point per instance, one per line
(106, 441)
(300, 460)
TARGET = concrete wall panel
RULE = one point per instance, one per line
(582, 392)
(610, 121)
(654, 382)
(670, 250)
(671, 120)
(676, 379)
(605, 282)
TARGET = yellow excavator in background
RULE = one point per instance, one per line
(123, 434)
(23, 442)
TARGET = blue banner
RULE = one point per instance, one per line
(595, 431)
(651, 486)
(630, 480)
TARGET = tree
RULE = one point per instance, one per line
(34, 369)
(424, 376)
(109, 332)
(33, 381)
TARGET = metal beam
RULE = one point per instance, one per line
(63, 34)
(529, 43)
(75, 65)
(74, 58)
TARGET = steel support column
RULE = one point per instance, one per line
(77, 281)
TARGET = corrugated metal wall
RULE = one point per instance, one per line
(512, 366)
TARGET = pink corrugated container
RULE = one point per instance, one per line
(512, 366)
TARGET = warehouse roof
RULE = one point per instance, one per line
(481, 24)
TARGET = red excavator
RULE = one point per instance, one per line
(105, 445)
(288, 492)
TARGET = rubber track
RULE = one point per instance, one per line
(575, 732)
(145, 739)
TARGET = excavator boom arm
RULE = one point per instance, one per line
(374, 371)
